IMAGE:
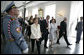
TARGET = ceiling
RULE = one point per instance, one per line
(20, 3)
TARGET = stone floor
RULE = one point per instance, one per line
(59, 49)
(62, 48)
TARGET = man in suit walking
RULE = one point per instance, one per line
(44, 29)
(79, 29)
(63, 31)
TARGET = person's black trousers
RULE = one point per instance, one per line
(37, 43)
(78, 37)
(45, 38)
(29, 32)
(65, 37)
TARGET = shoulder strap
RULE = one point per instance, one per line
(11, 36)
(11, 19)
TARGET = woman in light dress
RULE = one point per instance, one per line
(53, 28)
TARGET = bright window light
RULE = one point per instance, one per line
(20, 13)
(26, 15)
(35, 11)
(50, 10)
(75, 13)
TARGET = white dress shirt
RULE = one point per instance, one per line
(35, 31)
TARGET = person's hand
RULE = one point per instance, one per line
(63, 32)
(47, 28)
(37, 39)
(25, 51)
(41, 33)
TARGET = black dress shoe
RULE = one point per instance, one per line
(32, 51)
(69, 44)
(57, 43)
(45, 47)
(77, 42)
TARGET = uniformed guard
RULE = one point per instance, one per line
(15, 43)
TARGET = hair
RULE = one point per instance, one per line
(31, 17)
(65, 18)
(52, 17)
(81, 18)
(34, 19)
(47, 16)
(8, 10)
(54, 20)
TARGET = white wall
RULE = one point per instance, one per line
(4, 4)
(60, 6)
(75, 13)
(63, 5)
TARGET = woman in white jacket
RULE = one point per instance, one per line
(35, 35)
(53, 28)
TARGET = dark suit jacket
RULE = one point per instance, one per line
(43, 26)
(63, 27)
(79, 26)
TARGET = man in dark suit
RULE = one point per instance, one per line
(63, 31)
(44, 29)
(79, 29)
(41, 24)
(51, 19)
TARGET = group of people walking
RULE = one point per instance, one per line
(39, 29)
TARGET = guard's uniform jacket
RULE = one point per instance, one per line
(15, 40)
